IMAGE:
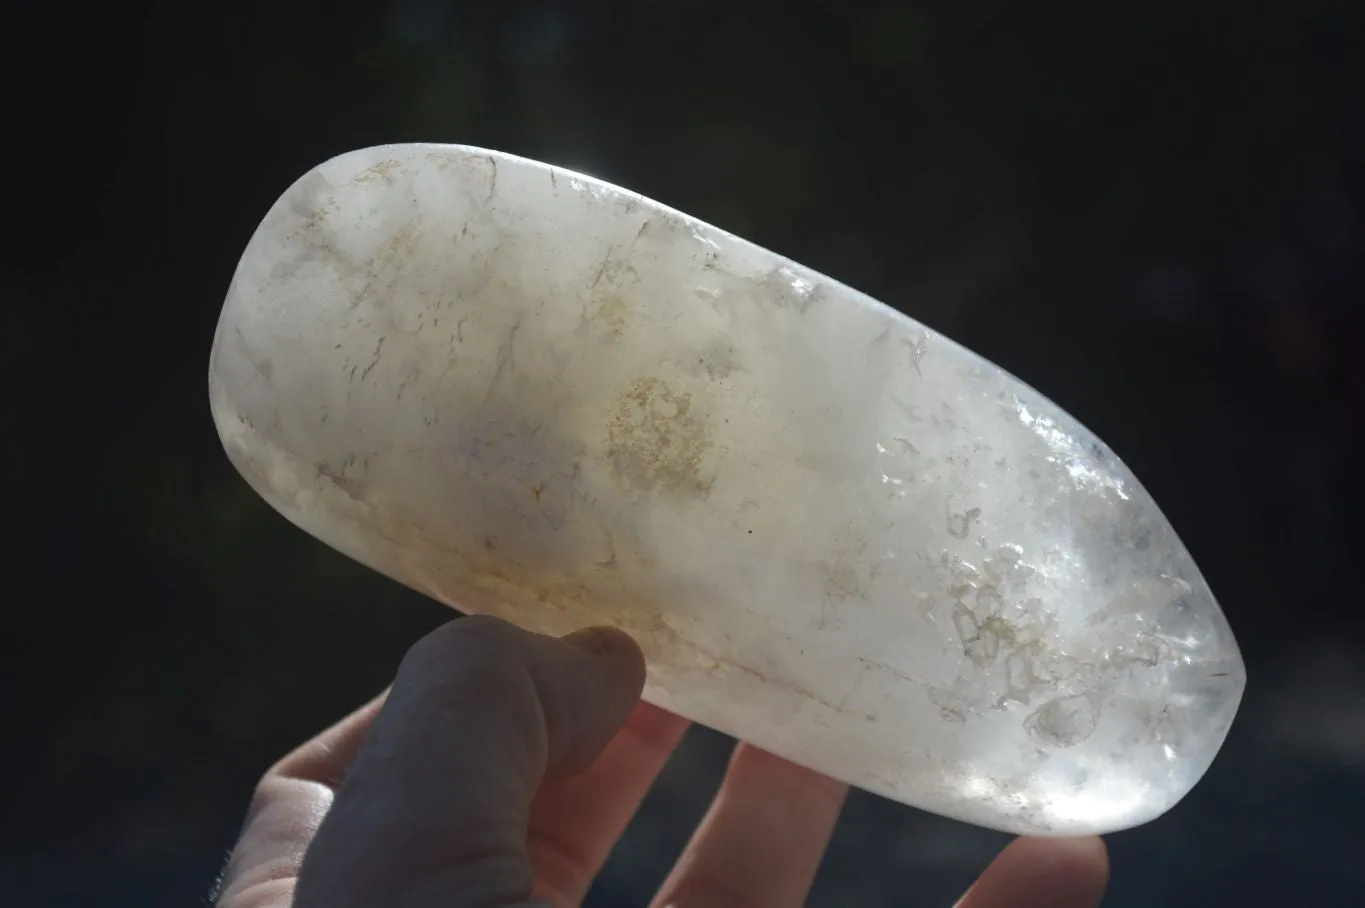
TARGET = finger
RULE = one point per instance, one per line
(326, 758)
(1043, 873)
(762, 840)
(575, 821)
(434, 810)
(286, 809)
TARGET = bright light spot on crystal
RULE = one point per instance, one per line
(704, 240)
(800, 286)
(1100, 805)
(1090, 804)
(980, 787)
(1069, 453)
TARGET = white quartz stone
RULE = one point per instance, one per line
(836, 534)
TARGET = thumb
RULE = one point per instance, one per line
(434, 810)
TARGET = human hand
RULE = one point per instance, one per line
(502, 766)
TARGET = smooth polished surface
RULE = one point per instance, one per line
(835, 533)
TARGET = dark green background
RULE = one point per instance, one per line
(1153, 212)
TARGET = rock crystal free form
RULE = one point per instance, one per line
(836, 533)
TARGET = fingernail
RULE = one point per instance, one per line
(600, 641)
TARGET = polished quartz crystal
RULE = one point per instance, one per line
(836, 533)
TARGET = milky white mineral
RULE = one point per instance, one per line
(836, 534)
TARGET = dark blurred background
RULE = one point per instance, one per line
(1154, 213)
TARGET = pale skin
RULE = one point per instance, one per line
(501, 767)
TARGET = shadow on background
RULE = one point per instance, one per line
(1156, 217)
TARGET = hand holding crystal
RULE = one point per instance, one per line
(501, 768)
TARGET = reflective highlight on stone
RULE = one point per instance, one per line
(836, 533)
